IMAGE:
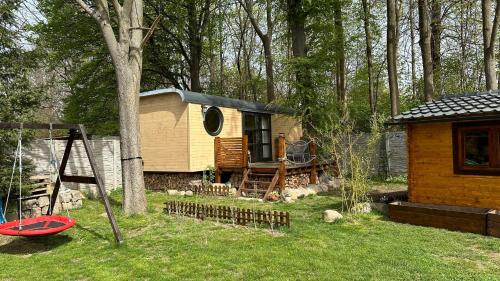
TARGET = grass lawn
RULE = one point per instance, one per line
(162, 247)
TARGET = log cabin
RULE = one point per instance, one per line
(184, 134)
(453, 162)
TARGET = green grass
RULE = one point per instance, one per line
(162, 247)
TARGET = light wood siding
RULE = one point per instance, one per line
(164, 133)
(287, 125)
(201, 153)
(431, 177)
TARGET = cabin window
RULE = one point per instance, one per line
(476, 148)
(213, 121)
(258, 129)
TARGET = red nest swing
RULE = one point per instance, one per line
(41, 226)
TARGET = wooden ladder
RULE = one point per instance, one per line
(253, 183)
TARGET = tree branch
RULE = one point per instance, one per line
(91, 12)
(249, 10)
(117, 7)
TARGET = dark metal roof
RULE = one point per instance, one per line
(198, 98)
(457, 107)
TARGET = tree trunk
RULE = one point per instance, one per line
(269, 68)
(489, 36)
(128, 79)
(126, 55)
(340, 53)
(392, 56)
(369, 55)
(425, 47)
(297, 23)
(195, 47)
(436, 30)
(413, 53)
(296, 18)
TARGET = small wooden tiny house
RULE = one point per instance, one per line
(453, 157)
(178, 128)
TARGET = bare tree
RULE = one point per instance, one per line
(369, 55)
(392, 42)
(489, 37)
(125, 47)
(266, 39)
(425, 47)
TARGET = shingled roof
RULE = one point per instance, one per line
(457, 107)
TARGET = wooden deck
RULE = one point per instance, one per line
(231, 155)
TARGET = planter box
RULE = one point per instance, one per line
(494, 223)
(456, 218)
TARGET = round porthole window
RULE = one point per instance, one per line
(213, 121)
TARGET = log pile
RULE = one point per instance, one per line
(297, 180)
(169, 181)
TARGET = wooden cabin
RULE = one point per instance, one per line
(258, 146)
(178, 128)
(453, 162)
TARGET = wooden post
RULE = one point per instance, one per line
(216, 159)
(281, 159)
(100, 185)
(62, 167)
(313, 177)
(244, 150)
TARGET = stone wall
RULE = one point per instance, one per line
(106, 153)
(31, 208)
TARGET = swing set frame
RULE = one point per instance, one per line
(76, 132)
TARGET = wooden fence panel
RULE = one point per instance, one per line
(228, 214)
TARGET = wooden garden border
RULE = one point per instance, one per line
(228, 214)
(210, 190)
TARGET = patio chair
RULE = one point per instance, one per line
(298, 151)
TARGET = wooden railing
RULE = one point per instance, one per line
(281, 155)
(230, 153)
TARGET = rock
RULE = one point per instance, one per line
(333, 184)
(36, 212)
(289, 199)
(380, 207)
(331, 216)
(65, 197)
(29, 203)
(43, 201)
(273, 197)
(77, 195)
(361, 208)
(189, 193)
(67, 206)
(45, 209)
(172, 192)
(78, 204)
(182, 193)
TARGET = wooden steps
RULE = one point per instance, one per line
(258, 181)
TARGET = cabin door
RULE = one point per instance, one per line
(258, 129)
